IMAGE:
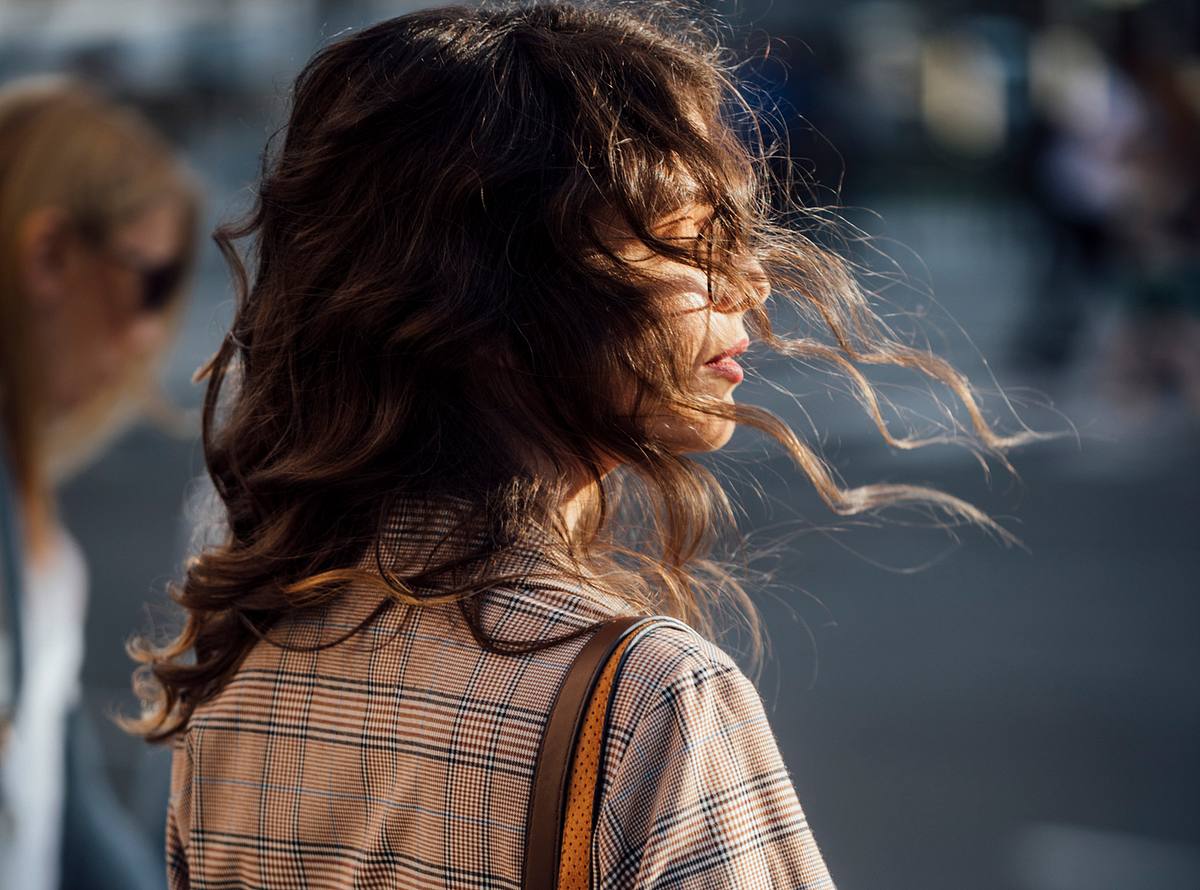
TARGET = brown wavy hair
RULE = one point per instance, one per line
(434, 310)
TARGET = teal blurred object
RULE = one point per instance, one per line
(10, 640)
(103, 848)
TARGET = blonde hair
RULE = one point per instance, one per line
(65, 146)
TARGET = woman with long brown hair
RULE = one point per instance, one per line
(96, 239)
(505, 260)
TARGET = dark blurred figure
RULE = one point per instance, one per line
(96, 238)
(1087, 119)
(1156, 351)
(1115, 173)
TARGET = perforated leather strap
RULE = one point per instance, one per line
(574, 712)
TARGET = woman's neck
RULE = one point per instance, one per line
(581, 497)
(574, 505)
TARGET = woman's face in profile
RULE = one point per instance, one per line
(98, 304)
(710, 339)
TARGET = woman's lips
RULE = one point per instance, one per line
(727, 368)
(725, 364)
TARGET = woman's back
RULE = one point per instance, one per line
(404, 755)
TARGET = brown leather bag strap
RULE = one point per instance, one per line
(548, 801)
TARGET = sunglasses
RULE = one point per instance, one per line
(157, 283)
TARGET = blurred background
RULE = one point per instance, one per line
(956, 714)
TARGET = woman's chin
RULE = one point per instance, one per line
(724, 434)
(714, 435)
(695, 434)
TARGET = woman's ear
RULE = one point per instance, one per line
(43, 243)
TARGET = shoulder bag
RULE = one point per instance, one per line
(562, 807)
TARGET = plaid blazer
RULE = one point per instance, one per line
(403, 757)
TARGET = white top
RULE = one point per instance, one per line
(53, 608)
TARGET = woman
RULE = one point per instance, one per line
(96, 221)
(506, 260)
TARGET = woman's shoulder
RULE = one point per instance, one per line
(673, 648)
(672, 671)
(693, 784)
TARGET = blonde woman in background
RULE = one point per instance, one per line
(96, 237)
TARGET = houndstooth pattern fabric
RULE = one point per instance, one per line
(403, 757)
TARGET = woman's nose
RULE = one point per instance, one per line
(755, 290)
(759, 280)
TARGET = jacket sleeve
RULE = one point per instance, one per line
(695, 793)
